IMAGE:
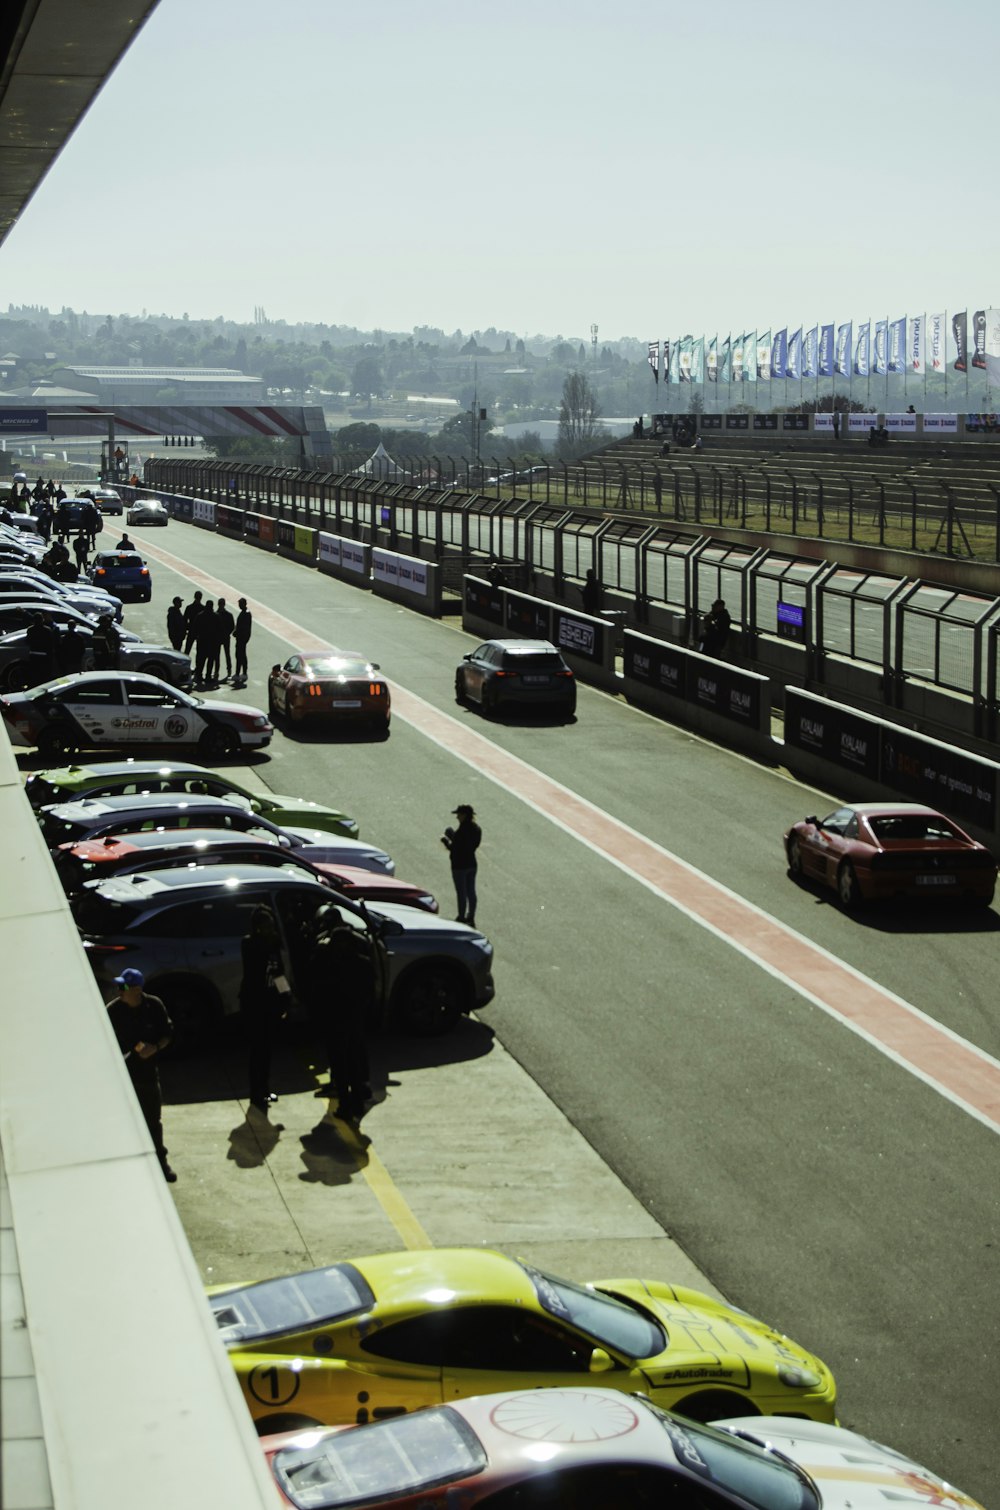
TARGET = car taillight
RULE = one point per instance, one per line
(95, 946)
(566, 672)
(99, 571)
(314, 689)
(144, 571)
(375, 689)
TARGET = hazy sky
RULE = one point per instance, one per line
(658, 168)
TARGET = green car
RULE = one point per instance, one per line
(119, 778)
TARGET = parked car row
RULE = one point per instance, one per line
(165, 864)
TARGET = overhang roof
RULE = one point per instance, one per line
(55, 55)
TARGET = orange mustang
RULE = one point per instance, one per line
(332, 685)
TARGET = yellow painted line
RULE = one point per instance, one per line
(381, 1184)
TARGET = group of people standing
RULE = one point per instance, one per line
(215, 635)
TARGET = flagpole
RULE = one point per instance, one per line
(944, 352)
(868, 366)
(925, 361)
(886, 363)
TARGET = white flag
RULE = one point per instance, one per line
(915, 351)
(936, 335)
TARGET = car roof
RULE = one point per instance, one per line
(884, 809)
(102, 769)
(133, 678)
(472, 1275)
(209, 879)
(144, 802)
(185, 838)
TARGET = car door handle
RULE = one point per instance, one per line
(211, 953)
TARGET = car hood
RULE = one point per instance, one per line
(272, 802)
(216, 705)
(851, 1472)
(415, 921)
(710, 1341)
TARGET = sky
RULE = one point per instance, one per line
(658, 169)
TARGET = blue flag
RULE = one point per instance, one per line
(881, 347)
(793, 366)
(862, 350)
(843, 362)
(897, 345)
(826, 351)
(779, 354)
(810, 359)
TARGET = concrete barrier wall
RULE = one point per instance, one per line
(113, 1371)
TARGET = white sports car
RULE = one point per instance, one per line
(126, 710)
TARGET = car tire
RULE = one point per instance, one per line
(56, 741)
(488, 701)
(218, 743)
(381, 728)
(714, 1405)
(16, 677)
(429, 1001)
(848, 889)
(155, 668)
(273, 711)
(460, 692)
(267, 1426)
(794, 858)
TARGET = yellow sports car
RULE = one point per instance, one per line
(380, 1336)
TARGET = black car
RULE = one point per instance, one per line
(502, 673)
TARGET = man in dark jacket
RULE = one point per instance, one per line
(42, 642)
(175, 624)
(191, 613)
(143, 1029)
(205, 643)
(715, 629)
(224, 626)
(241, 638)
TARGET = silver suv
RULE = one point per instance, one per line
(183, 929)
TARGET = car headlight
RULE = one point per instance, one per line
(258, 723)
(796, 1377)
(481, 943)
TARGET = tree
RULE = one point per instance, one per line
(579, 412)
(366, 379)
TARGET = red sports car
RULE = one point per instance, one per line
(331, 685)
(887, 849)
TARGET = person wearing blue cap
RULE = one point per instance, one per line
(142, 1026)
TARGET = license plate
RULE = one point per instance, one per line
(347, 702)
(536, 681)
(936, 880)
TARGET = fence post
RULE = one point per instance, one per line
(767, 499)
(850, 509)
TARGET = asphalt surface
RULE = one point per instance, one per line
(812, 1179)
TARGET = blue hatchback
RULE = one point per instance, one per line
(124, 573)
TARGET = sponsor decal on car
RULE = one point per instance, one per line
(175, 727)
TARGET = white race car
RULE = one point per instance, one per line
(127, 711)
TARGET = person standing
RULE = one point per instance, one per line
(224, 626)
(191, 612)
(339, 991)
(462, 843)
(261, 1003)
(107, 644)
(241, 638)
(591, 593)
(143, 1029)
(92, 522)
(43, 643)
(175, 624)
(81, 550)
(715, 628)
(204, 642)
(43, 517)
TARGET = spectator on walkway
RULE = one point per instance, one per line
(261, 1004)
(81, 549)
(241, 638)
(462, 843)
(715, 628)
(143, 1029)
(191, 614)
(340, 995)
(204, 643)
(592, 593)
(107, 644)
(224, 626)
(42, 642)
(175, 624)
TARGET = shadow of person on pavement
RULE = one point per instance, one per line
(333, 1152)
(253, 1139)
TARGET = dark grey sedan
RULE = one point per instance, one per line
(504, 673)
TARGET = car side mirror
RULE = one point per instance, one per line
(814, 821)
(469, 657)
(275, 670)
(376, 666)
(601, 1362)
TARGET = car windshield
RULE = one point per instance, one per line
(386, 1460)
(758, 1475)
(293, 1303)
(610, 1323)
(922, 827)
(335, 665)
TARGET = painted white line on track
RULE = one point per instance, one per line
(950, 1065)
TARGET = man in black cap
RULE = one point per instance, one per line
(241, 637)
(462, 843)
(143, 1030)
(175, 623)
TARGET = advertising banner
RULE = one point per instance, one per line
(960, 331)
(823, 422)
(726, 361)
(407, 573)
(352, 557)
(710, 422)
(936, 335)
(779, 354)
(483, 600)
(266, 530)
(284, 533)
(654, 358)
(860, 423)
(724, 691)
(580, 636)
(826, 351)
(862, 350)
(847, 739)
(712, 360)
(251, 527)
(901, 424)
(765, 422)
(305, 541)
(792, 622)
(228, 521)
(843, 357)
(984, 424)
(793, 367)
(329, 549)
(979, 339)
(915, 349)
(739, 367)
(23, 422)
(992, 344)
(795, 422)
(737, 421)
(528, 616)
(203, 512)
(941, 424)
(661, 667)
(750, 357)
(897, 345)
(182, 508)
(810, 353)
(959, 784)
(881, 362)
(764, 357)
